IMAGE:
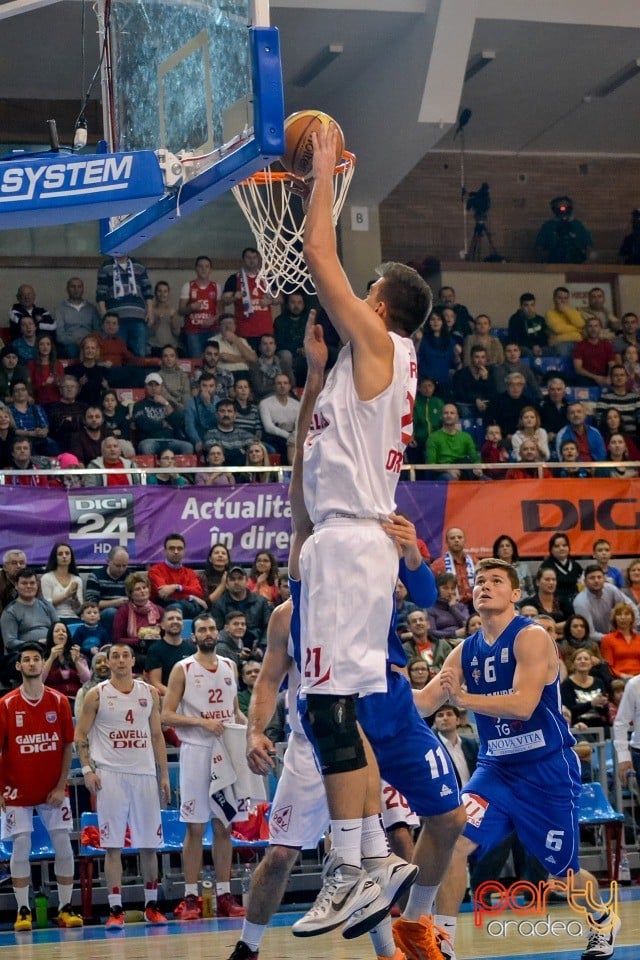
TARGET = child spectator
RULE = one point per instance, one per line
(632, 368)
(569, 456)
(91, 634)
(602, 556)
(615, 696)
(494, 450)
(529, 429)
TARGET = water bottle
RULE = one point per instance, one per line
(624, 871)
(245, 881)
(208, 902)
(42, 915)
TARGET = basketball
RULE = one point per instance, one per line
(298, 152)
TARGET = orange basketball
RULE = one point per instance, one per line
(298, 151)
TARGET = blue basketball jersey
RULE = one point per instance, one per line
(488, 670)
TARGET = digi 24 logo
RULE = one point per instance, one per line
(102, 518)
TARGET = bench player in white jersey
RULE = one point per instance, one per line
(119, 742)
(352, 459)
(36, 742)
(202, 695)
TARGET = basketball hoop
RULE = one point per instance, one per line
(265, 199)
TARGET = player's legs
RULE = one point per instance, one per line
(192, 852)
(17, 826)
(221, 852)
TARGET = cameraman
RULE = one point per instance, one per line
(630, 249)
(563, 239)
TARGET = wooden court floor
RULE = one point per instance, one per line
(214, 940)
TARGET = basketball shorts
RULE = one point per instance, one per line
(539, 801)
(299, 814)
(17, 820)
(133, 800)
(396, 812)
(348, 570)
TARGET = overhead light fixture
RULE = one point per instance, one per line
(614, 82)
(478, 63)
(317, 64)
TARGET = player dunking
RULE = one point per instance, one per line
(119, 741)
(528, 777)
(36, 741)
(353, 454)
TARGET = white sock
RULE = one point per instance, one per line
(448, 924)
(191, 889)
(252, 934)
(65, 892)
(150, 895)
(22, 896)
(382, 938)
(346, 840)
(374, 841)
(420, 902)
(222, 888)
(115, 900)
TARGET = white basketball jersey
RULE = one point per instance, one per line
(120, 738)
(293, 686)
(353, 451)
(207, 693)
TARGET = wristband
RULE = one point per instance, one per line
(86, 770)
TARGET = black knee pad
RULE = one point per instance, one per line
(335, 732)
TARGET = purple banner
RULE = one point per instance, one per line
(246, 518)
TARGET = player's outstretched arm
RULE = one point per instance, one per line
(260, 749)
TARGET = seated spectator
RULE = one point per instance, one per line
(505, 548)
(257, 456)
(587, 439)
(86, 444)
(26, 618)
(597, 602)
(173, 582)
(117, 419)
(529, 429)
(25, 306)
(21, 458)
(447, 617)
(564, 323)
(567, 570)
(263, 577)
(427, 418)
(123, 368)
(284, 590)
(506, 408)
(176, 385)
(553, 410)
(76, 318)
(631, 364)
(61, 583)
(158, 425)
(583, 694)
(618, 451)
(232, 440)
(546, 599)
(404, 606)
(100, 671)
(628, 334)
(248, 415)
(611, 423)
(529, 453)
(563, 239)
(65, 668)
(464, 321)
(91, 634)
(419, 673)
(45, 371)
(237, 596)
(111, 459)
(31, 421)
(138, 621)
(235, 642)
(456, 560)
(513, 364)
(472, 386)
(527, 328)
(570, 457)
(267, 367)
(66, 416)
(494, 450)
(616, 692)
(7, 435)
(165, 324)
(107, 586)
(171, 648)
(200, 415)
(289, 329)
(11, 370)
(593, 356)
(472, 625)
(248, 676)
(89, 371)
(279, 415)
(13, 561)
(576, 635)
(200, 305)
(224, 379)
(219, 477)
(597, 308)
(71, 481)
(620, 397)
(483, 337)
(214, 576)
(236, 355)
(167, 460)
(437, 355)
(450, 445)
(631, 588)
(25, 344)
(421, 644)
(621, 647)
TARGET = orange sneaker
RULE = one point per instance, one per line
(398, 955)
(115, 920)
(228, 906)
(417, 938)
(189, 909)
(153, 915)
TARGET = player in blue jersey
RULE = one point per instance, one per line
(528, 776)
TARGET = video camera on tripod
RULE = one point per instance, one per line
(479, 202)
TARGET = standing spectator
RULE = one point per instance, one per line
(237, 596)
(91, 635)
(156, 420)
(553, 409)
(164, 328)
(25, 306)
(251, 306)
(106, 586)
(597, 308)
(597, 601)
(564, 323)
(267, 367)
(25, 344)
(464, 321)
(567, 570)
(279, 415)
(457, 561)
(621, 647)
(125, 288)
(483, 337)
(163, 654)
(88, 371)
(505, 548)
(451, 445)
(529, 429)
(563, 239)
(289, 327)
(587, 439)
(201, 306)
(214, 576)
(233, 441)
(11, 370)
(447, 617)
(86, 444)
(66, 416)
(13, 561)
(527, 328)
(76, 318)
(236, 353)
(593, 356)
(263, 577)
(31, 421)
(173, 583)
(61, 583)
(111, 459)
(45, 371)
(217, 478)
(65, 669)
(28, 617)
(437, 355)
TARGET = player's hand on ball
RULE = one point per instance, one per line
(325, 142)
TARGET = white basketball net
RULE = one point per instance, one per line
(266, 201)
